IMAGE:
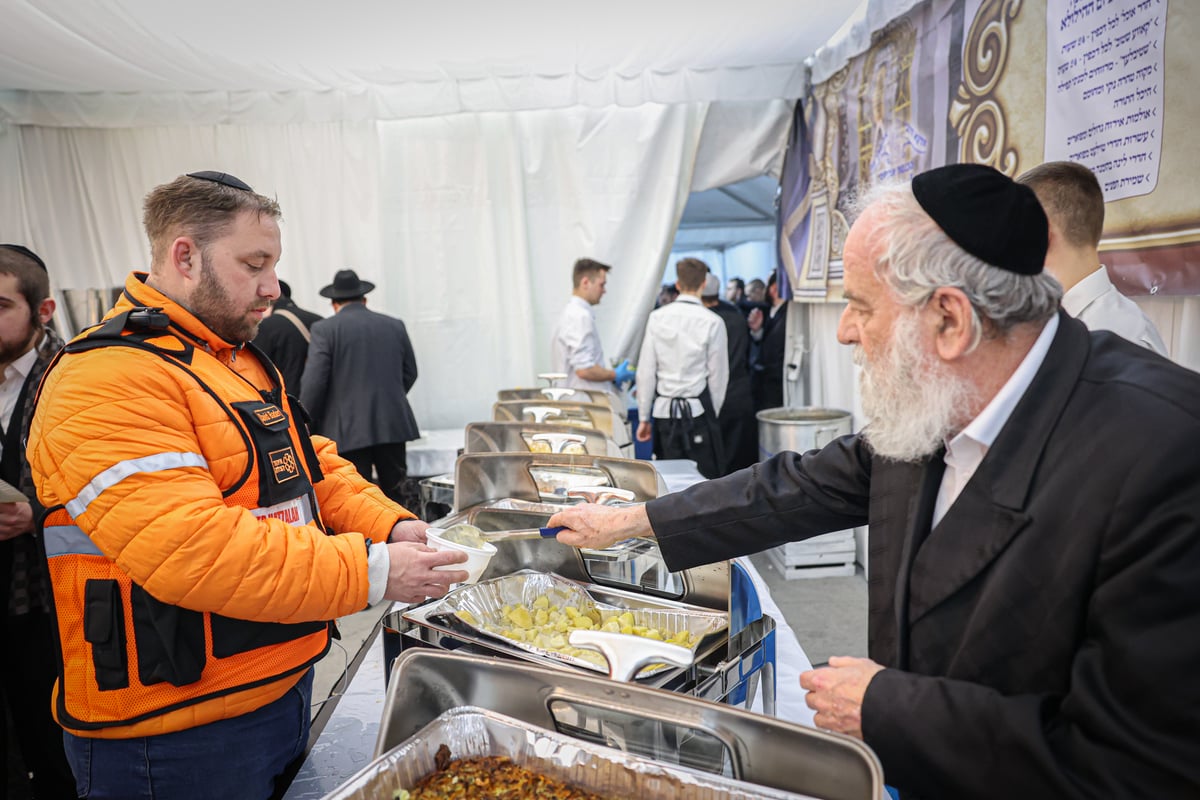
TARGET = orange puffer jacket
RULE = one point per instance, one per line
(189, 526)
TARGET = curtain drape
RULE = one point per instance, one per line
(468, 223)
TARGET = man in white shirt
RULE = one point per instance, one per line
(684, 370)
(1074, 205)
(575, 348)
(1030, 489)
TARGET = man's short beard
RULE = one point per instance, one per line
(913, 400)
(212, 304)
(11, 351)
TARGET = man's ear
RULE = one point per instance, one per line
(45, 310)
(184, 257)
(954, 322)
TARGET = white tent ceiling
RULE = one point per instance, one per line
(459, 153)
(386, 59)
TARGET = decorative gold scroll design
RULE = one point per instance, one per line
(977, 116)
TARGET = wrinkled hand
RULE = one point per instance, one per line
(596, 526)
(411, 574)
(836, 693)
(755, 319)
(624, 374)
(644, 431)
(15, 519)
(408, 530)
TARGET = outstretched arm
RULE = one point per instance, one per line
(596, 527)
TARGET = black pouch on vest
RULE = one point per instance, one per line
(104, 630)
(280, 474)
(280, 478)
(170, 640)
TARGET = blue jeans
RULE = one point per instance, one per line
(231, 759)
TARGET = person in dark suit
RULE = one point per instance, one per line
(360, 369)
(739, 429)
(769, 331)
(27, 671)
(1031, 491)
(283, 337)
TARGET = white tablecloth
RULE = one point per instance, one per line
(435, 452)
(790, 658)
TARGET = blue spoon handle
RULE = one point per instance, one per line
(551, 532)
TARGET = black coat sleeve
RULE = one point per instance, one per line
(410, 359)
(785, 499)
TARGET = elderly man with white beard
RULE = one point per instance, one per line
(1031, 492)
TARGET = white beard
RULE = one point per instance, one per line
(913, 401)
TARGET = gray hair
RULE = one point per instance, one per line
(918, 258)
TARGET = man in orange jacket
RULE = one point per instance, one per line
(200, 539)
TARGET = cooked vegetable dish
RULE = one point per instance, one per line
(490, 777)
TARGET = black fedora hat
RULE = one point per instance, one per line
(346, 285)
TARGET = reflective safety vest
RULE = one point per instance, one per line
(132, 665)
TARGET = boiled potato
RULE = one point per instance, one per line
(549, 627)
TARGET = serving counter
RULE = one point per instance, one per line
(347, 727)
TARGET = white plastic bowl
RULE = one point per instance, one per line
(477, 557)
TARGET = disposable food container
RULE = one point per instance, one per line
(484, 605)
(477, 557)
(471, 732)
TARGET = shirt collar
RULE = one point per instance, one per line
(986, 427)
(22, 365)
(687, 298)
(1087, 291)
(579, 301)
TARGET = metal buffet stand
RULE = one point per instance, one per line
(500, 491)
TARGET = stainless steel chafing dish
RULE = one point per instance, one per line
(518, 437)
(498, 492)
(621, 724)
(589, 415)
(480, 478)
(558, 393)
(470, 732)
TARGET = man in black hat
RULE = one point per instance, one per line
(284, 336)
(1034, 519)
(360, 369)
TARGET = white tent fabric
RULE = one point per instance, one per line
(460, 154)
(154, 62)
(468, 223)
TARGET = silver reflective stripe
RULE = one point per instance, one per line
(159, 462)
(63, 540)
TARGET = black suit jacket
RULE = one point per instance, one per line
(284, 344)
(768, 371)
(360, 368)
(1044, 639)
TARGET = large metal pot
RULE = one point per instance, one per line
(799, 429)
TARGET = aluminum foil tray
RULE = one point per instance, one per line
(472, 732)
(485, 602)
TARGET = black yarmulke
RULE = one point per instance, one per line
(986, 213)
(223, 178)
(25, 251)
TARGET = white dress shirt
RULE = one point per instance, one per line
(685, 349)
(1095, 302)
(966, 450)
(10, 389)
(576, 345)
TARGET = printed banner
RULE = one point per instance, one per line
(1010, 83)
